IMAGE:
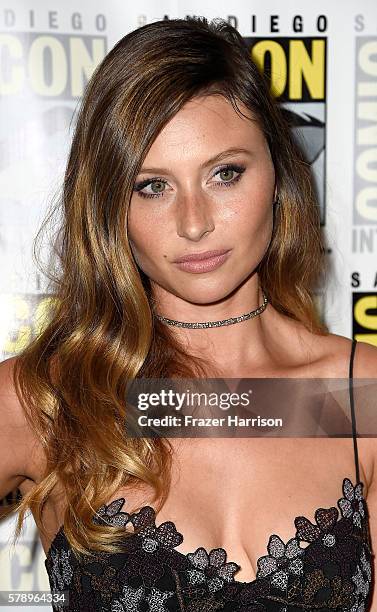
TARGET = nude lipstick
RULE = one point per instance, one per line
(197, 263)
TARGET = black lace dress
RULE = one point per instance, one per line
(325, 566)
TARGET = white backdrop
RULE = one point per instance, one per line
(324, 67)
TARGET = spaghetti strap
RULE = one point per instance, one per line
(352, 403)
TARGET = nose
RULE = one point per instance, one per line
(194, 216)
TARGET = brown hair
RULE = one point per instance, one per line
(100, 331)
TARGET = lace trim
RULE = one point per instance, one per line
(282, 559)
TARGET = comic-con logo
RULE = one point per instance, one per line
(296, 69)
(364, 316)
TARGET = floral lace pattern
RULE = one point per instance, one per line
(332, 572)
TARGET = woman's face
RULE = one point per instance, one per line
(186, 202)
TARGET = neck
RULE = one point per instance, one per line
(243, 340)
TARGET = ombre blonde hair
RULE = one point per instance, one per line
(100, 332)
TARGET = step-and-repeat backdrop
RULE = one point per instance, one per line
(323, 61)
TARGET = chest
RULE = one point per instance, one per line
(239, 544)
(235, 494)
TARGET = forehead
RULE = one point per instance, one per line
(206, 123)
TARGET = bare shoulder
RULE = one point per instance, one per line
(334, 356)
(11, 411)
(20, 449)
(338, 355)
(365, 366)
(332, 352)
(365, 357)
(318, 354)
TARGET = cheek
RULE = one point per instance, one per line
(251, 212)
(250, 225)
(255, 231)
(251, 202)
(145, 240)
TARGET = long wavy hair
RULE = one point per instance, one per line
(100, 331)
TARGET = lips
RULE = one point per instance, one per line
(201, 256)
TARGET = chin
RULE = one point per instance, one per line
(204, 295)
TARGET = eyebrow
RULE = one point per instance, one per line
(216, 158)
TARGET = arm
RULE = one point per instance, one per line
(16, 438)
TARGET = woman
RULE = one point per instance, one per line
(179, 151)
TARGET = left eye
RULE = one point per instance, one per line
(227, 171)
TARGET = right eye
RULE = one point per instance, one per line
(159, 182)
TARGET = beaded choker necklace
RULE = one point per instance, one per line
(244, 317)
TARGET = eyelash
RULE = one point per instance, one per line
(142, 184)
